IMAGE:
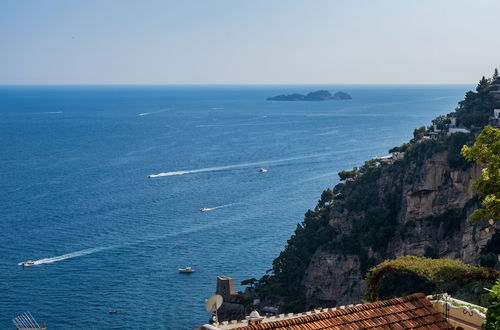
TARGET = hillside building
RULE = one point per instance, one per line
(495, 119)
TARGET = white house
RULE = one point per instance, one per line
(495, 120)
(453, 130)
(496, 113)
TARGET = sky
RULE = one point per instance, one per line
(60, 42)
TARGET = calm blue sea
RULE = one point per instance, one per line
(75, 197)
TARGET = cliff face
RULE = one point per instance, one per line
(333, 279)
(415, 204)
(437, 188)
(434, 202)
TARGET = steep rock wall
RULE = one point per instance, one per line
(429, 190)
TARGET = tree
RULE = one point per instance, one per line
(483, 85)
(419, 133)
(344, 175)
(493, 315)
(326, 197)
(250, 281)
(486, 151)
(441, 122)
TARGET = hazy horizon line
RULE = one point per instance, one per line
(237, 84)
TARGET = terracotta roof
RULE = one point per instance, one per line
(410, 312)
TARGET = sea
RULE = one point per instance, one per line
(102, 186)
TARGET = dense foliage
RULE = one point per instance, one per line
(486, 151)
(491, 251)
(373, 212)
(493, 315)
(416, 153)
(441, 272)
(288, 269)
(474, 111)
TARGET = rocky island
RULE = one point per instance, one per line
(321, 95)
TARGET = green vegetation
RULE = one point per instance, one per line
(473, 292)
(493, 315)
(441, 272)
(458, 304)
(441, 122)
(486, 151)
(479, 308)
(395, 285)
(490, 252)
(250, 281)
(474, 111)
(416, 153)
(374, 205)
(289, 268)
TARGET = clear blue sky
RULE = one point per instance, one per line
(247, 42)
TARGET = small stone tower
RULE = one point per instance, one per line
(225, 287)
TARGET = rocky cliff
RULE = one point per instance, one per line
(435, 200)
(416, 203)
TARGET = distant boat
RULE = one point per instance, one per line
(204, 209)
(112, 311)
(186, 270)
(27, 263)
(263, 170)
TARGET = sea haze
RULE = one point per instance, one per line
(75, 196)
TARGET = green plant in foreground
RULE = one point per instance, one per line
(493, 315)
(438, 271)
(454, 303)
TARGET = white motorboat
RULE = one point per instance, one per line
(204, 209)
(263, 170)
(27, 263)
(186, 270)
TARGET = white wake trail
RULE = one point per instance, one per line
(218, 207)
(70, 255)
(228, 167)
(46, 113)
(151, 113)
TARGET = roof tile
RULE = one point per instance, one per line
(410, 312)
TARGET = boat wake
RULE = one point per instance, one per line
(46, 113)
(206, 209)
(151, 113)
(229, 167)
(68, 255)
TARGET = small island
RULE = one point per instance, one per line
(321, 95)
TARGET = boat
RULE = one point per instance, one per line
(186, 270)
(204, 209)
(112, 311)
(27, 263)
(263, 170)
